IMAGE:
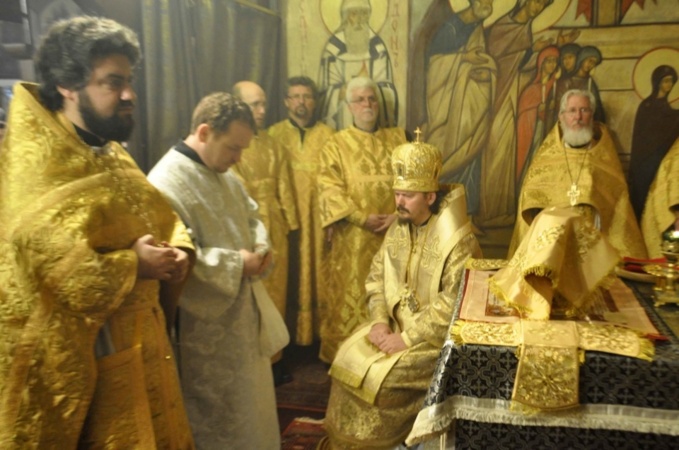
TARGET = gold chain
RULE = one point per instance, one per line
(573, 192)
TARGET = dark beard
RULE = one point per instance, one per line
(114, 128)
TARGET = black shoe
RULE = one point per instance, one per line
(281, 375)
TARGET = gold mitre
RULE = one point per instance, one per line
(416, 166)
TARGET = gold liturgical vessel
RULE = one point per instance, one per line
(666, 287)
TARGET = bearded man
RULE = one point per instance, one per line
(355, 51)
(578, 165)
(302, 137)
(356, 209)
(382, 372)
(86, 244)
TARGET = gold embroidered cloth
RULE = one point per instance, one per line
(354, 181)
(663, 194)
(563, 247)
(69, 217)
(602, 185)
(375, 397)
(304, 162)
(263, 170)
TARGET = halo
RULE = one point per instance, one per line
(330, 13)
(646, 64)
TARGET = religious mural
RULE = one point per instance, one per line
(483, 80)
(333, 41)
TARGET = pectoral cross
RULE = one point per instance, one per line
(573, 194)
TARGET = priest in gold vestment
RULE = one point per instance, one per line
(662, 203)
(84, 241)
(382, 372)
(577, 165)
(302, 137)
(356, 210)
(264, 171)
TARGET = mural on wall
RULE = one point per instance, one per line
(488, 77)
(483, 78)
(656, 122)
(333, 41)
(355, 50)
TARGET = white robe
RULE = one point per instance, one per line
(226, 380)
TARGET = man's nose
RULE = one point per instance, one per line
(128, 94)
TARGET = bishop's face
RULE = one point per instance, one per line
(413, 207)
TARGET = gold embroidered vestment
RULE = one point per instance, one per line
(375, 397)
(354, 181)
(602, 186)
(69, 217)
(304, 159)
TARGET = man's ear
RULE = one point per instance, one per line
(203, 132)
(68, 94)
(431, 197)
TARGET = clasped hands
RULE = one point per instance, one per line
(160, 261)
(254, 263)
(386, 340)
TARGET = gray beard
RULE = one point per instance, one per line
(577, 138)
(357, 40)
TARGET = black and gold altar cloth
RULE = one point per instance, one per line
(622, 400)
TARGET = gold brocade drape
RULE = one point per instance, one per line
(193, 48)
(663, 194)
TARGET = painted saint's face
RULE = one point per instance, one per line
(358, 17)
(589, 63)
(549, 65)
(666, 85)
(535, 7)
(568, 61)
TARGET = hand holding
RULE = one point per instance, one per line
(154, 262)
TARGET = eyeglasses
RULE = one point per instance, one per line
(574, 111)
(371, 100)
(303, 97)
(257, 105)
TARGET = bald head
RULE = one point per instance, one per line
(253, 95)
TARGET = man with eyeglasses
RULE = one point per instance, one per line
(87, 249)
(264, 171)
(577, 165)
(302, 136)
(356, 210)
